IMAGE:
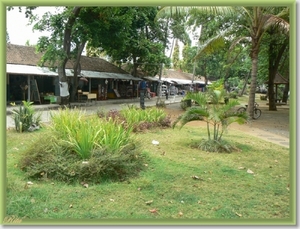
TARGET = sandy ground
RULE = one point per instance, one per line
(272, 126)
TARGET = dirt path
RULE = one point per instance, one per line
(272, 126)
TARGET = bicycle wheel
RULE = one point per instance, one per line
(241, 110)
(257, 113)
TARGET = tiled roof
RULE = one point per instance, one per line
(26, 55)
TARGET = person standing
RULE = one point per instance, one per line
(142, 88)
(167, 93)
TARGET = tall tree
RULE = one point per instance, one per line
(256, 20)
(127, 34)
(58, 48)
(175, 56)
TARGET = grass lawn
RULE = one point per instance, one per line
(179, 182)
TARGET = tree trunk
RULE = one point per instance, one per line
(77, 70)
(271, 94)
(251, 100)
(275, 55)
(286, 93)
(66, 47)
(245, 84)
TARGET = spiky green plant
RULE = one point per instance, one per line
(25, 116)
(212, 110)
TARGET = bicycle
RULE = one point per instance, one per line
(256, 114)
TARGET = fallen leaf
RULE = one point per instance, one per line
(241, 168)
(240, 215)
(195, 177)
(149, 202)
(71, 206)
(180, 214)
(250, 171)
(154, 210)
(85, 185)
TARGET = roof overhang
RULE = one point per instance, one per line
(102, 75)
(151, 78)
(45, 71)
(29, 70)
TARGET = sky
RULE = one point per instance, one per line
(18, 29)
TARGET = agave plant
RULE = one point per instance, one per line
(25, 116)
(212, 110)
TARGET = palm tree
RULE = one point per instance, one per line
(256, 20)
(212, 110)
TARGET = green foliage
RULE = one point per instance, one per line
(165, 176)
(50, 158)
(215, 146)
(211, 110)
(84, 135)
(25, 116)
(80, 148)
(233, 95)
(175, 56)
(127, 34)
(138, 119)
(112, 136)
(217, 85)
(184, 104)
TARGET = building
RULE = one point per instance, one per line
(28, 81)
(181, 81)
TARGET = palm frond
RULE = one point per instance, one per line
(211, 45)
(200, 98)
(230, 105)
(237, 41)
(171, 11)
(215, 10)
(272, 20)
(192, 114)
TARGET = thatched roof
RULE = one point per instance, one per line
(279, 79)
(177, 74)
(26, 55)
(170, 73)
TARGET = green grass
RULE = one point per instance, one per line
(223, 190)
